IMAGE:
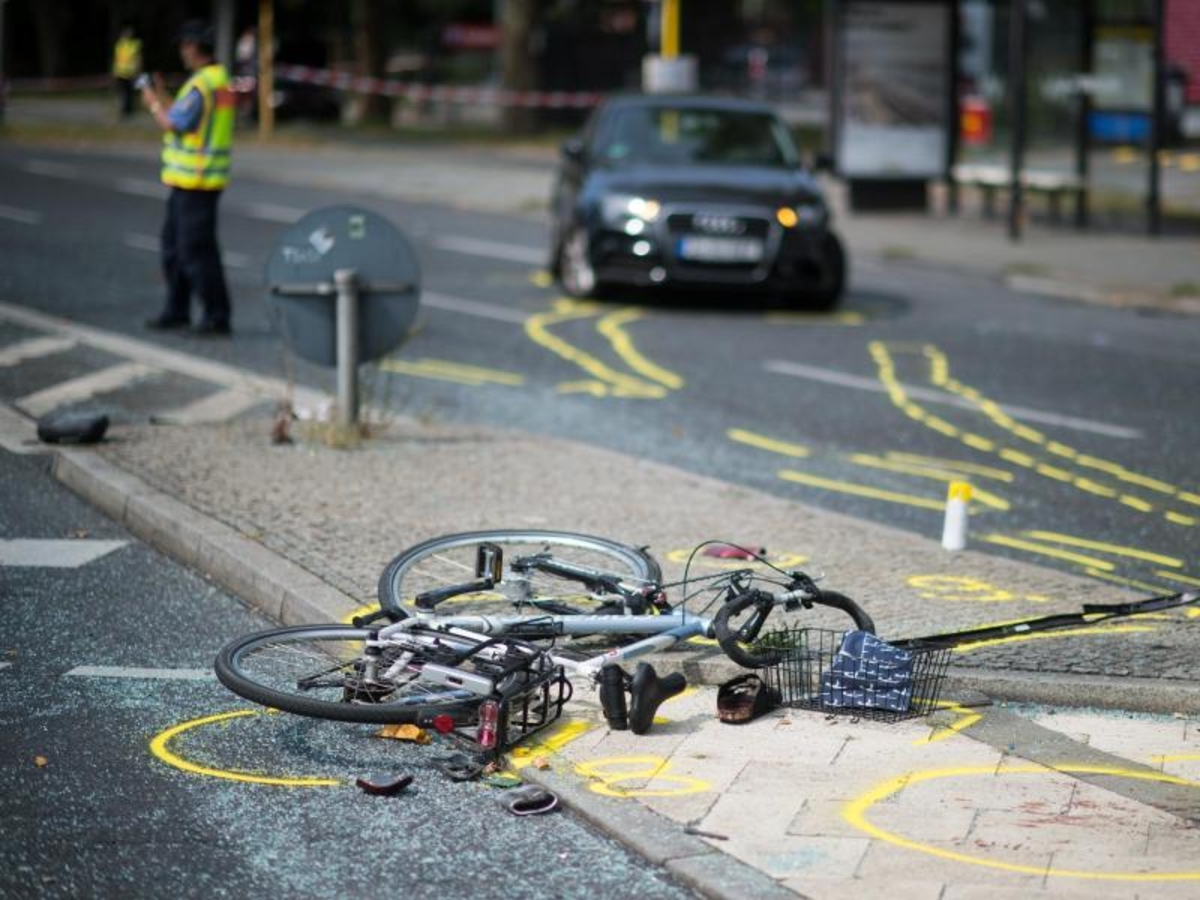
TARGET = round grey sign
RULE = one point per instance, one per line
(301, 290)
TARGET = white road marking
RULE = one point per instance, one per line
(51, 169)
(270, 212)
(5, 665)
(513, 253)
(218, 407)
(843, 379)
(473, 307)
(23, 216)
(136, 672)
(141, 187)
(163, 358)
(84, 387)
(33, 348)
(18, 434)
(141, 242)
(54, 554)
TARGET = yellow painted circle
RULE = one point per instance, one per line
(648, 768)
(856, 814)
(160, 747)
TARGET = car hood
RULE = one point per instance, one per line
(723, 184)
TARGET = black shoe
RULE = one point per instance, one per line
(212, 329)
(166, 323)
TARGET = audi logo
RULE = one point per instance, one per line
(712, 223)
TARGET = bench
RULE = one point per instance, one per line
(992, 179)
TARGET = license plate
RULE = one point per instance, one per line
(714, 249)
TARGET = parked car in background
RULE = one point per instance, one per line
(693, 192)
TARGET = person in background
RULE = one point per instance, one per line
(127, 65)
(197, 146)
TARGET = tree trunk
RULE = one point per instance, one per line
(370, 51)
(517, 69)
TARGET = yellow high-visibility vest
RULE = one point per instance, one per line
(127, 58)
(199, 160)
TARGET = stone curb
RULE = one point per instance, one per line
(663, 842)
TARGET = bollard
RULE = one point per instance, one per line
(954, 528)
(346, 281)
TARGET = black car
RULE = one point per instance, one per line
(694, 192)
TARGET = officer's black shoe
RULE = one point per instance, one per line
(166, 323)
(212, 329)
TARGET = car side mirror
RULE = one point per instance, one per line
(823, 162)
(572, 149)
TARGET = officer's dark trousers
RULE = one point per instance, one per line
(191, 258)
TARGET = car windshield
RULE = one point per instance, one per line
(690, 136)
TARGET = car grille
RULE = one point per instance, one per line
(717, 225)
(717, 229)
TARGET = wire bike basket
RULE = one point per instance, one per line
(854, 673)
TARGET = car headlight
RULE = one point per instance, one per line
(620, 210)
(803, 215)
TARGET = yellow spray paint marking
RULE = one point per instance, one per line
(611, 326)
(606, 776)
(1047, 635)
(1128, 582)
(937, 462)
(964, 588)
(1182, 579)
(449, 371)
(856, 814)
(361, 611)
(966, 718)
(159, 746)
(802, 318)
(762, 442)
(861, 490)
(874, 462)
(553, 742)
(1031, 547)
(940, 377)
(605, 380)
(1115, 549)
(541, 278)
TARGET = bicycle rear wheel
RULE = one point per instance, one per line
(323, 671)
(450, 560)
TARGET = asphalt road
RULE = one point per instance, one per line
(127, 771)
(1075, 423)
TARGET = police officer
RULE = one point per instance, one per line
(197, 141)
(127, 65)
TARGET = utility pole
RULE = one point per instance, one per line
(1016, 105)
(1158, 112)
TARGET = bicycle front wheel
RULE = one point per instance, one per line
(450, 560)
(326, 672)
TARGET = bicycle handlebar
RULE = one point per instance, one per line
(736, 641)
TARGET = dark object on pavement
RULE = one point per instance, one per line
(745, 698)
(460, 767)
(647, 692)
(166, 323)
(702, 193)
(530, 800)
(384, 784)
(72, 427)
(212, 329)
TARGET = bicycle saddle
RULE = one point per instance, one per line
(648, 692)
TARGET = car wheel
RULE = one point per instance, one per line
(575, 269)
(828, 293)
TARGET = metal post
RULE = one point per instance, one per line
(1016, 93)
(669, 38)
(346, 281)
(1157, 114)
(266, 68)
(1083, 128)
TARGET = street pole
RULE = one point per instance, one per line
(669, 28)
(1157, 114)
(1016, 93)
(266, 68)
(346, 281)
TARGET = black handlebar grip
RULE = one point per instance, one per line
(731, 640)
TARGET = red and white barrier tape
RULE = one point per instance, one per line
(422, 93)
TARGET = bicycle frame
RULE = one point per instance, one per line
(662, 631)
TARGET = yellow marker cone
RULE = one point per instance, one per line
(954, 528)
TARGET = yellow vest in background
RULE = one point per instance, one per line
(127, 58)
(199, 160)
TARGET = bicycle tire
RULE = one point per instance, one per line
(450, 559)
(737, 644)
(251, 668)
